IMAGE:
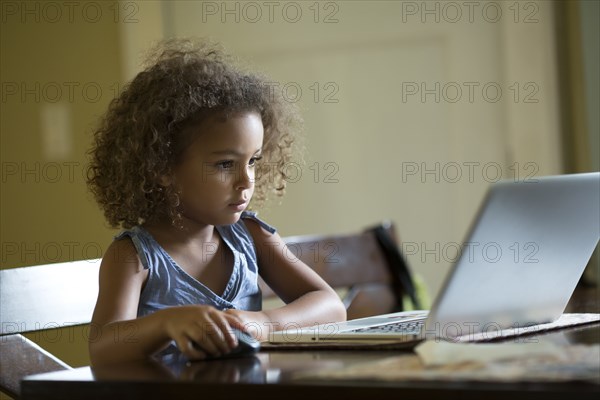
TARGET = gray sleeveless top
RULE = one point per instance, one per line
(169, 285)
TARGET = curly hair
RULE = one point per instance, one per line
(143, 134)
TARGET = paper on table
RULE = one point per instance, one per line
(441, 353)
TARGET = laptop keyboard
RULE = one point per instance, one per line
(407, 327)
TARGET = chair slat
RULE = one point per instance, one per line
(48, 296)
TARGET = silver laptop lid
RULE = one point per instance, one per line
(523, 256)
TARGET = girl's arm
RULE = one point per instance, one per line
(116, 334)
(309, 299)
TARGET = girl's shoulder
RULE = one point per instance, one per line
(241, 235)
(121, 261)
(141, 243)
(253, 216)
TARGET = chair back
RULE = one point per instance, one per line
(354, 265)
(39, 298)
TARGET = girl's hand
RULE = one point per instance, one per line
(201, 331)
(255, 323)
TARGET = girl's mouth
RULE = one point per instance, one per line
(239, 205)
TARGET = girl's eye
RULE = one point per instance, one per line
(254, 160)
(225, 164)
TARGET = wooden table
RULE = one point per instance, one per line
(272, 375)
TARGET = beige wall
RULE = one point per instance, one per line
(69, 70)
(59, 71)
(367, 49)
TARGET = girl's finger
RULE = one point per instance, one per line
(227, 340)
(218, 333)
(195, 351)
(187, 347)
(235, 321)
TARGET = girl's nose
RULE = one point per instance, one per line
(246, 178)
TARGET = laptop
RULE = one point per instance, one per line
(518, 267)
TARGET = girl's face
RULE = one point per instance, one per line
(215, 176)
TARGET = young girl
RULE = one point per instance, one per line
(176, 161)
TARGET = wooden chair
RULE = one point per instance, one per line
(35, 299)
(355, 265)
